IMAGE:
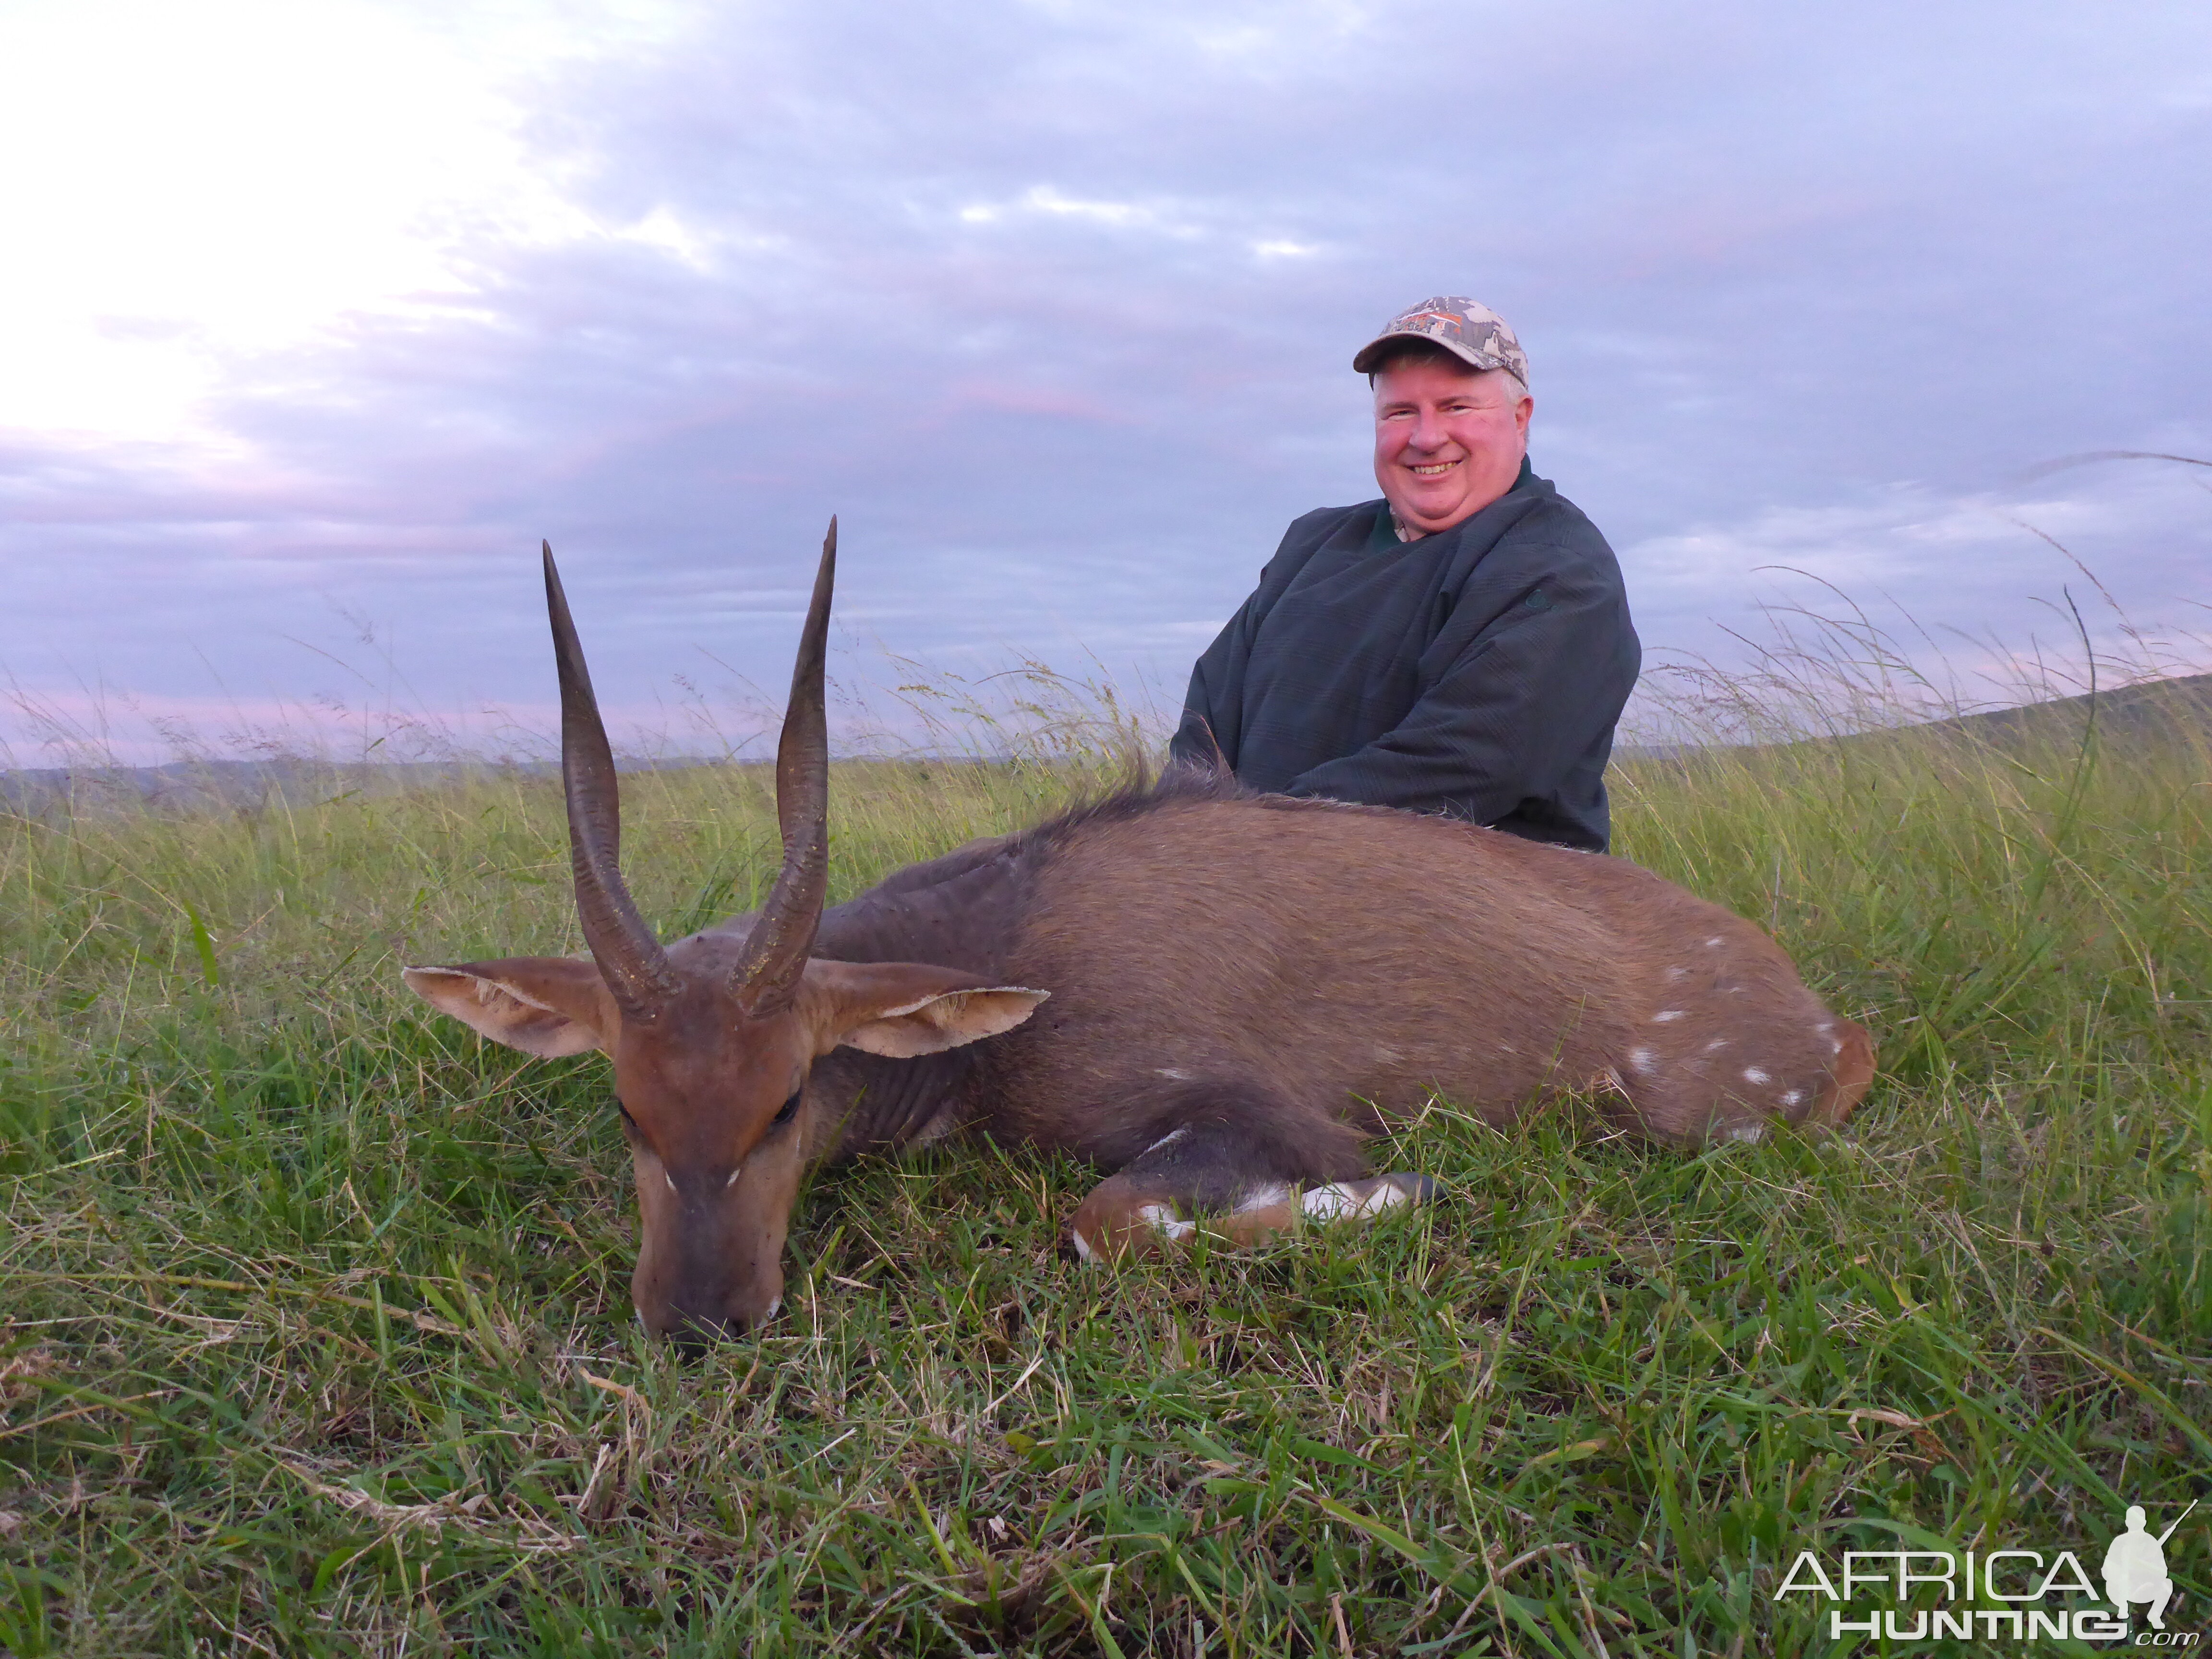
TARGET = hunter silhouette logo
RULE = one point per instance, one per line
(2134, 1567)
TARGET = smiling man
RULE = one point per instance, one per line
(1461, 645)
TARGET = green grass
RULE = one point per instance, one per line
(315, 1334)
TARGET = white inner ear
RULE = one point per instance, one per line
(948, 1019)
(916, 1006)
(498, 1009)
(489, 988)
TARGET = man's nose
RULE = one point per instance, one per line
(1428, 432)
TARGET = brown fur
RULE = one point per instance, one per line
(1355, 960)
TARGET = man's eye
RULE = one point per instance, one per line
(788, 1110)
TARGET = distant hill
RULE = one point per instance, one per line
(2164, 708)
(2177, 707)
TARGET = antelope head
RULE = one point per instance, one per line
(713, 1040)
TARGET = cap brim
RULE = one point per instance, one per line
(1365, 361)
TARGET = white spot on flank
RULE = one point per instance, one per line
(1175, 1073)
(1716, 1045)
(1642, 1059)
(1162, 1221)
(1748, 1131)
(1678, 973)
(1752, 1074)
(1835, 1045)
(1714, 942)
(1167, 1139)
(1793, 1096)
(1082, 1251)
(1666, 1014)
(1263, 1198)
(734, 1174)
(1341, 1199)
(1826, 1027)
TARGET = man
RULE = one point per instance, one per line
(2135, 1568)
(1461, 645)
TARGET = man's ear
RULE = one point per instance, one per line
(905, 1009)
(549, 1007)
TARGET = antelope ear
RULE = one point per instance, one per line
(905, 1009)
(549, 1007)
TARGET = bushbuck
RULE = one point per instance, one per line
(1218, 996)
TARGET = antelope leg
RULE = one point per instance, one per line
(1222, 1179)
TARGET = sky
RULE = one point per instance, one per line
(317, 317)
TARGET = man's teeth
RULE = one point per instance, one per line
(1430, 471)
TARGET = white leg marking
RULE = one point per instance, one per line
(1162, 1221)
(1642, 1059)
(1666, 1014)
(1082, 1251)
(1167, 1139)
(671, 1179)
(1752, 1074)
(1263, 1198)
(1835, 1045)
(1339, 1200)
(774, 1307)
(1748, 1131)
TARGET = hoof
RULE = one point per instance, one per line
(1418, 1189)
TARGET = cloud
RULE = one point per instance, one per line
(1054, 305)
(1990, 596)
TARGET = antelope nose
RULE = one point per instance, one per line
(691, 1334)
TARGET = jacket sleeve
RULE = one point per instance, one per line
(1211, 708)
(1212, 724)
(1508, 703)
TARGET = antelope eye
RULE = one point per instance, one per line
(789, 1109)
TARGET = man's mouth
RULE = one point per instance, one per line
(1431, 472)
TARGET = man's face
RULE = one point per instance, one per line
(1449, 440)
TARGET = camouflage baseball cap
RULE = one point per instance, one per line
(1466, 328)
